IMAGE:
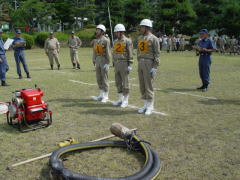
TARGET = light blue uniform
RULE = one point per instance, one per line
(20, 56)
(3, 65)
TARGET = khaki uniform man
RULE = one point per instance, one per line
(233, 45)
(101, 60)
(222, 43)
(52, 47)
(74, 43)
(148, 60)
(122, 60)
(174, 43)
(182, 44)
(170, 44)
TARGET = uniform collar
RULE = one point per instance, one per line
(205, 39)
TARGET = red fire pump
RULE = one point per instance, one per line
(28, 111)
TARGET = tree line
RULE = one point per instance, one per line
(169, 16)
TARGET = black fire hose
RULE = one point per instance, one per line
(150, 170)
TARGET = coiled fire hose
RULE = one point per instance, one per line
(150, 170)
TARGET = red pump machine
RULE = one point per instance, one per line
(28, 111)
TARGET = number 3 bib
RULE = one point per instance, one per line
(119, 48)
(143, 46)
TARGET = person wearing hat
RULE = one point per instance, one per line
(205, 49)
(101, 60)
(18, 46)
(52, 47)
(122, 60)
(74, 43)
(3, 62)
(148, 56)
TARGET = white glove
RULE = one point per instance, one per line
(153, 72)
(129, 69)
(106, 67)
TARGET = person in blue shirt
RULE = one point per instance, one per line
(205, 49)
(3, 62)
(18, 46)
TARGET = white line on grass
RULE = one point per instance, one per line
(131, 79)
(130, 106)
(81, 82)
(184, 93)
(158, 89)
(136, 107)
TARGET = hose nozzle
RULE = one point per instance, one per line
(121, 131)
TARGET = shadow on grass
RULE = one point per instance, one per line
(111, 112)
(220, 101)
(86, 103)
(9, 129)
(45, 173)
(98, 107)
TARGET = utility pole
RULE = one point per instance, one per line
(109, 15)
(15, 4)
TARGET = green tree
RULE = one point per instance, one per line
(209, 13)
(135, 11)
(31, 10)
(230, 23)
(175, 16)
(115, 7)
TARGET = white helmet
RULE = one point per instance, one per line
(102, 27)
(119, 28)
(146, 22)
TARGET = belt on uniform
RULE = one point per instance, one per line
(145, 60)
(121, 60)
(100, 55)
(52, 49)
(205, 54)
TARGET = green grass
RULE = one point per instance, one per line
(199, 139)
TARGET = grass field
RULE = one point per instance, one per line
(199, 139)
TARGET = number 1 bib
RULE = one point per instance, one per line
(98, 48)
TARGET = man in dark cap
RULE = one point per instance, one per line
(19, 45)
(205, 48)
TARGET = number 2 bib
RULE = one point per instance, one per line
(143, 46)
(119, 48)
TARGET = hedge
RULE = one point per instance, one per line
(40, 38)
(28, 38)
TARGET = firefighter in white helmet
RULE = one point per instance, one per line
(101, 60)
(122, 60)
(148, 56)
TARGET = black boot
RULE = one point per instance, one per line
(58, 66)
(20, 76)
(28, 76)
(51, 67)
(200, 88)
(4, 83)
(78, 66)
(205, 88)
(74, 65)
